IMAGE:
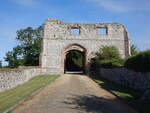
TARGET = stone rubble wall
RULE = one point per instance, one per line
(10, 78)
(127, 78)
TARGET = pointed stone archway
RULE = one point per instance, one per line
(78, 48)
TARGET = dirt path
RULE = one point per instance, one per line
(73, 94)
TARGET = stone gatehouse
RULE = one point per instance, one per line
(60, 37)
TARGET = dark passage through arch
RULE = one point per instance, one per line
(74, 61)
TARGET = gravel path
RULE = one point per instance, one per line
(73, 94)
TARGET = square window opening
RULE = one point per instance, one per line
(102, 31)
(75, 31)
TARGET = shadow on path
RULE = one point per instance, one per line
(94, 104)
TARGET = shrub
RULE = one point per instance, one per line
(134, 50)
(139, 62)
(107, 57)
(111, 63)
(108, 53)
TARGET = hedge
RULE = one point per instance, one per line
(139, 62)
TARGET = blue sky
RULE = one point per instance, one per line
(17, 14)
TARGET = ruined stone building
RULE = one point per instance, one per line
(59, 38)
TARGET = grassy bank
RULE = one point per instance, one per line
(128, 95)
(13, 96)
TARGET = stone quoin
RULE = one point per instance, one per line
(60, 37)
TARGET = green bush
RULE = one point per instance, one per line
(108, 53)
(134, 49)
(111, 63)
(139, 62)
(107, 57)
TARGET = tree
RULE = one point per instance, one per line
(28, 51)
(107, 57)
(134, 49)
(0, 64)
(14, 57)
(108, 53)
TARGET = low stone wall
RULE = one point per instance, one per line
(127, 78)
(10, 78)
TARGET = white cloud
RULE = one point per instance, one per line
(29, 3)
(122, 6)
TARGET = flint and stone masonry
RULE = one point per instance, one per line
(59, 39)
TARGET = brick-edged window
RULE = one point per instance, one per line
(102, 31)
(75, 31)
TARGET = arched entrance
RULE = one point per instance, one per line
(74, 59)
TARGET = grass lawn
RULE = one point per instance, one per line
(13, 96)
(128, 95)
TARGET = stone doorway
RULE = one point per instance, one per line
(75, 59)
(74, 62)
